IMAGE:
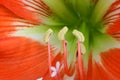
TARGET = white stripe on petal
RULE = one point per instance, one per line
(34, 33)
(21, 23)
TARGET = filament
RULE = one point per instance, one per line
(80, 61)
(49, 57)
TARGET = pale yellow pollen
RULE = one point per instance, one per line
(47, 35)
(80, 38)
(62, 32)
(78, 35)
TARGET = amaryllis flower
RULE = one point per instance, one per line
(59, 39)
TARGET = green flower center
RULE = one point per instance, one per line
(84, 15)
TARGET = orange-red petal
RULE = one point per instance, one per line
(10, 22)
(112, 18)
(27, 9)
(109, 68)
(16, 6)
(22, 59)
(111, 60)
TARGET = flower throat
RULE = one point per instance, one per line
(80, 50)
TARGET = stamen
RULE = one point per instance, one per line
(80, 48)
(61, 37)
(46, 40)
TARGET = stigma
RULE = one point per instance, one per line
(80, 51)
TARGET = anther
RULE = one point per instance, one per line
(46, 40)
(62, 32)
(78, 35)
(47, 35)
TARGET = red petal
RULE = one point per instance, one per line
(112, 18)
(110, 68)
(114, 30)
(10, 22)
(17, 7)
(89, 72)
(22, 59)
(111, 60)
(99, 73)
(27, 9)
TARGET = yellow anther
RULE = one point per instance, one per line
(83, 49)
(47, 35)
(61, 34)
(79, 35)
